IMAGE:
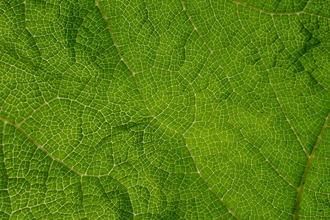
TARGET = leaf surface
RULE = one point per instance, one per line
(164, 109)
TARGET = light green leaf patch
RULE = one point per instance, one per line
(164, 109)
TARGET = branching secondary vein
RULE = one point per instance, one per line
(307, 166)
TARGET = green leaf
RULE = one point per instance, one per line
(170, 109)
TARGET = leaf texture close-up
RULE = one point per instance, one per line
(165, 109)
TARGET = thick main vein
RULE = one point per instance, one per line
(307, 166)
(41, 147)
(211, 51)
(215, 58)
(97, 2)
(280, 104)
(19, 128)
